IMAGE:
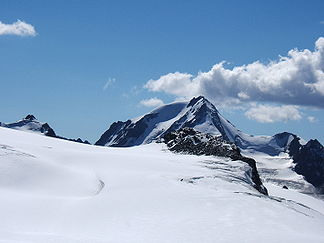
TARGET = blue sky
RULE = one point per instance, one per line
(88, 63)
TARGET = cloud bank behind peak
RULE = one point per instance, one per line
(297, 79)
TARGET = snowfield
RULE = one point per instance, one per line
(278, 170)
(53, 190)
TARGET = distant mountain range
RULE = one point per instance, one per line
(31, 124)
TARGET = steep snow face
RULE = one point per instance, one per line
(53, 190)
(199, 114)
(31, 124)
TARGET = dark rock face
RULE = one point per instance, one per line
(113, 132)
(294, 147)
(189, 141)
(309, 160)
(47, 130)
(30, 117)
(78, 140)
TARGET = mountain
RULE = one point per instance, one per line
(202, 116)
(31, 124)
(199, 114)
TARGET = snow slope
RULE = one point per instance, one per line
(53, 190)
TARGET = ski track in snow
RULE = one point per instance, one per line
(59, 191)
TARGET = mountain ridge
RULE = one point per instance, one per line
(30, 123)
(199, 114)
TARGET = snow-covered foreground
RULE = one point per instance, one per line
(53, 190)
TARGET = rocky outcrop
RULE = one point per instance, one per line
(78, 140)
(309, 162)
(47, 130)
(189, 141)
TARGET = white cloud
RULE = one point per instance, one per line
(270, 114)
(152, 102)
(175, 83)
(322, 22)
(19, 28)
(296, 79)
(311, 119)
(109, 82)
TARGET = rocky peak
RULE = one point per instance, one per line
(201, 102)
(30, 117)
(195, 100)
(198, 113)
(309, 162)
(314, 145)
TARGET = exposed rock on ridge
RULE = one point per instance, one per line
(189, 141)
(309, 160)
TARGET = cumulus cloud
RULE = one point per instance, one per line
(174, 83)
(297, 79)
(270, 114)
(19, 28)
(152, 102)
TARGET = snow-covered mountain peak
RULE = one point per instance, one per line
(31, 124)
(201, 101)
(198, 113)
(30, 117)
